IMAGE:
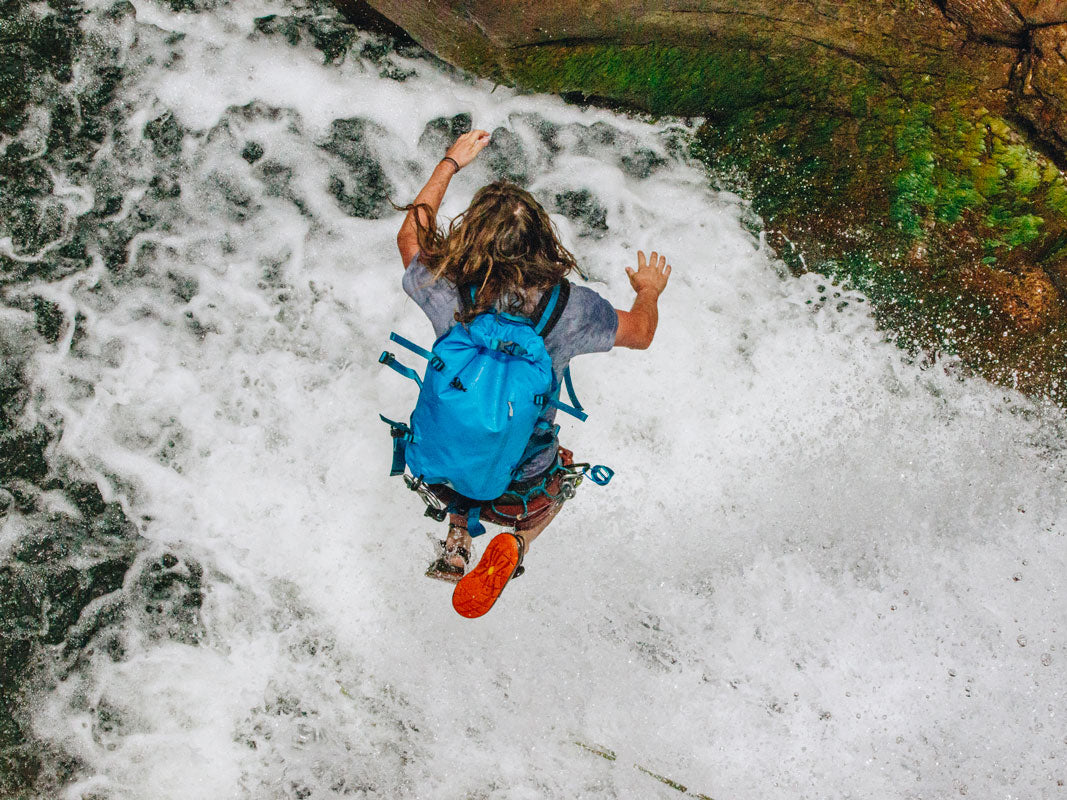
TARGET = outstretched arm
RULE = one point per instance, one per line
(637, 326)
(426, 203)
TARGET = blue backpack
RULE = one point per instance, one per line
(485, 387)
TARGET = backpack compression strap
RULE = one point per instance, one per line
(553, 399)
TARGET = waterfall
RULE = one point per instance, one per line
(825, 568)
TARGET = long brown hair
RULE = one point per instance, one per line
(504, 245)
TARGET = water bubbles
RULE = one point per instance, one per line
(269, 605)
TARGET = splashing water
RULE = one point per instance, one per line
(822, 570)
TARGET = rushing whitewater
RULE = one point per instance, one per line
(823, 570)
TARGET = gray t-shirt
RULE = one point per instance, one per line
(587, 325)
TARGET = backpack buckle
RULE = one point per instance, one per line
(511, 348)
(437, 363)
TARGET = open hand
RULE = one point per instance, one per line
(467, 146)
(651, 276)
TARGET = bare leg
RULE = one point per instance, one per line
(530, 534)
(458, 536)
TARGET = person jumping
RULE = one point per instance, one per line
(503, 256)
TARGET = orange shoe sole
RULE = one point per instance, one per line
(479, 589)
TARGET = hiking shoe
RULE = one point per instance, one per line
(478, 590)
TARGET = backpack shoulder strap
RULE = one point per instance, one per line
(545, 314)
(550, 308)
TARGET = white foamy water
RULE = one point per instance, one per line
(820, 572)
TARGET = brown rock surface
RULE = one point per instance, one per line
(991, 39)
(1041, 93)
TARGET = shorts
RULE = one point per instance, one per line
(542, 494)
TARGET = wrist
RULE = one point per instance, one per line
(449, 160)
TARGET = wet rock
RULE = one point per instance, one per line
(111, 723)
(252, 152)
(15, 347)
(164, 187)
(35, 224)
(596, 137)
(363, 190)
(87, 497)
(332, 36)
(364, 17)
(50, 321)
(996, 20)
(584, 208)
(166, 134)
(505, 157)
(20, 763)
(168, 596)
(441, 132)
(22, 454)
(53, 769)
(70, 590)
(183, 287)
(51, 541)
(642, 163)
(277, 25)
(107, 612)
(121, 9)
(20, 608)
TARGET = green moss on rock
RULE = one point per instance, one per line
(904, 185)
(671, 79)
